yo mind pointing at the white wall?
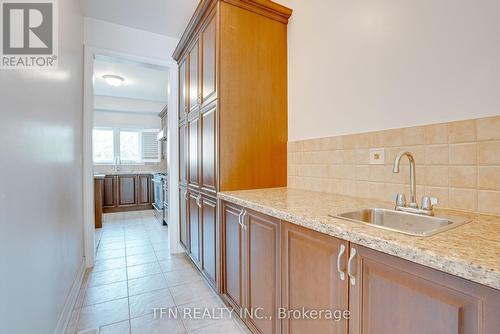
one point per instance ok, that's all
(356, 66)
(118, 38)
(126, 120)
(41, 245)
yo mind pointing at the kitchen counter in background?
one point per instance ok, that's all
(470, 251)
(124, 173)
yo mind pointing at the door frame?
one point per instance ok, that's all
(90, 53)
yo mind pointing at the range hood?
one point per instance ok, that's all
(162, 135)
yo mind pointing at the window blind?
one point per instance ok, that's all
(150, 146)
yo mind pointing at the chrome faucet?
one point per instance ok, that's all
(117, 162)
(413, 187)
(401, 205)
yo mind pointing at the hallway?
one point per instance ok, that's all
(134, 273)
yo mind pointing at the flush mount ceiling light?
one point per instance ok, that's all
(113, 80)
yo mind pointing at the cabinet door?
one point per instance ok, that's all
(194, 227)
(209, 239)
(391, 295)
(193, 151)
(310, 279)
(127, 190)
(183, 90)
(209, 61)
(194, 77)
(183, 218)
(262, 260)
(232, 252)
(144, 184)
(109, 192)
(183, 153)
(209, 149)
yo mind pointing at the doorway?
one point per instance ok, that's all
(123, 98)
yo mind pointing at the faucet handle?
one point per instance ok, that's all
(400, 200)
(428, 202)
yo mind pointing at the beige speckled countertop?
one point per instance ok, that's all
(470, 251)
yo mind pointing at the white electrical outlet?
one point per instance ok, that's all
(377, 156)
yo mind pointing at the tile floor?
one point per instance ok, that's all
(134, 272)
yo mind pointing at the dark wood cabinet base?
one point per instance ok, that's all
(126, 192)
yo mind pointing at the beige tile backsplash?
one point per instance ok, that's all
(458, 162)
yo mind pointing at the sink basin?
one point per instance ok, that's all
(403, 222)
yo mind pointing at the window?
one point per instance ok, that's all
(103, 145)
(130, 146)
(125, 146)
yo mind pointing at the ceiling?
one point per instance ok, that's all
(142, 81)
(165, 17)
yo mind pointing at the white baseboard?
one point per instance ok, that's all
(70, 300)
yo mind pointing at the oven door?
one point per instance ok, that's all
(158, 195)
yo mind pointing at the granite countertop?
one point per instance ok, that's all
(124, 173)
(470, 251)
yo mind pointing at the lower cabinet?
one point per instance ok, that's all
(194, 250)
(232, 255)
(312, 269)
(391, 295)
(127, 192)
(251, 266)
(183, 218)
(144, 190)
(261, 260)
(209, 239)
(199, 232)
(269, 265)
(109, 192)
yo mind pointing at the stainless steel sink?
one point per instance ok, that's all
(403, 222)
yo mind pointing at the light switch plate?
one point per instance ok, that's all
(377, 156)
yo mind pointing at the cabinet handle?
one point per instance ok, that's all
(186, 195)
(339, 257)
(349, 266)
(241, 216)
(198, 200)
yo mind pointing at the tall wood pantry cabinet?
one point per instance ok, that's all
(232, 114)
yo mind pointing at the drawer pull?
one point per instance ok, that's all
(352, 277)
(339, 257)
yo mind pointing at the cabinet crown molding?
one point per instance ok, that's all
(266, 8)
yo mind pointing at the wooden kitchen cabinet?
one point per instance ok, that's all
(392, 295)
(311, 279)
(194, 76)
(251, 275)
(183, 154)
(127, 192)
(98, 199)
(194, 199)
(109, 192)
(262, 261)
(232, 115)
(209, 61)
(209, 244)
(183, 217)
(193, 150)
(144, 189)
(183, 90)
(232, 255)
(209, 149)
